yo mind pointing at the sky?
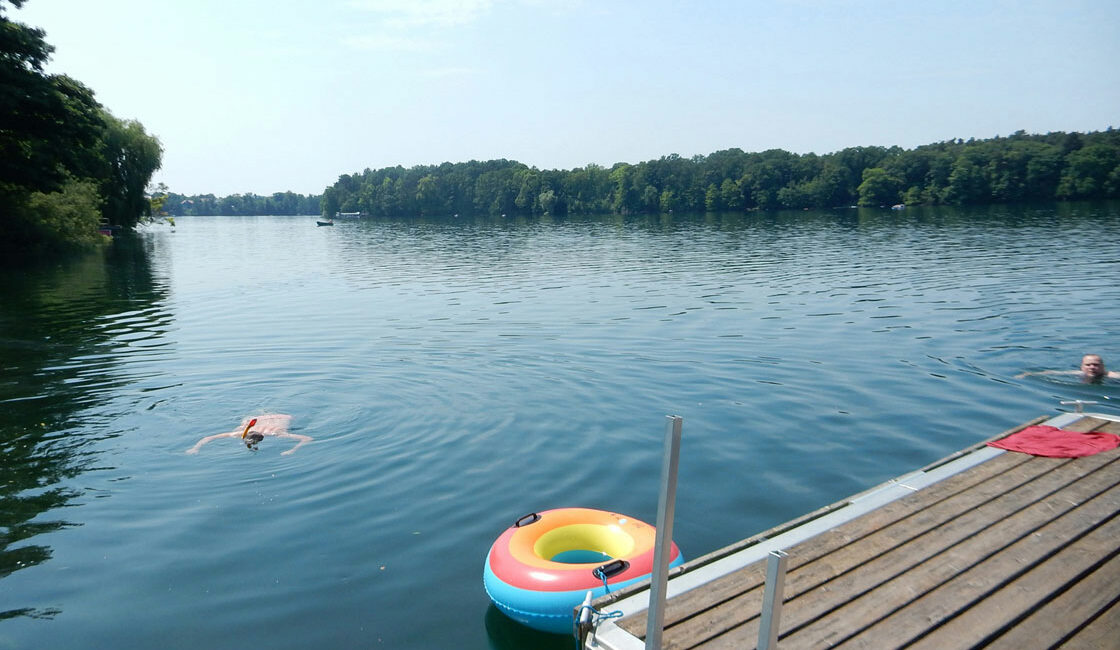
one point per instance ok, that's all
(264, 96)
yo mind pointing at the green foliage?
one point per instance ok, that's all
(879, 187)
(156, 201)
(328, 205)
(48, 123)
(58, 145)
(279, 203)
(46, 223)
(1020, 167)
(1089, 172)
(967, 182)
(71, 214)
(129, 158)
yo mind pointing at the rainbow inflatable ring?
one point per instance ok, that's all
(542, 566)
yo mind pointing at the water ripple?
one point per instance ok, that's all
(456, 374)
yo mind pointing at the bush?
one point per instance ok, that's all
(48, 223)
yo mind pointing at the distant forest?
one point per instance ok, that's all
(282, 203)
(1020, 167)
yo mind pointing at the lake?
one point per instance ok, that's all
(456, 374)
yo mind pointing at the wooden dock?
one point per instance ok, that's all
(986, 547)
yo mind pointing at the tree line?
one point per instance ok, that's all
(281, 203)
(1020, 167)
(67, 165)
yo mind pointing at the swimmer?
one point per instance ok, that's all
(254, 430)
(1092, 370)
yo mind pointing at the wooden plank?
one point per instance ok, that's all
(840, 608)
(1086, 424)
(820, 512)
(1109, 427)
(827, 582)
(938, 532)
(1000, 609)
(960, 602)
(726, 589)
(1101, 632)
(1060, 619)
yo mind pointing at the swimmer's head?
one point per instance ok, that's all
(1092, 366)
(252, 439)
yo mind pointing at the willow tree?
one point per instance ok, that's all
(130, 156)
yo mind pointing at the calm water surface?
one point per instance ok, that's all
(456, 374)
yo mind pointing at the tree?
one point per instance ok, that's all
(131, 157)
(48, 123)
(1020, 167)
(1043, 171)
(63, 158)
(967, 183)
(669, 201)
(1087, 172)
(624, 195)
(54, 222)
(432, 195)
(530, 189)
(879, 187)
(547, 201)
(796, 195)
(764, 175)
(156, 200)
(329, 203)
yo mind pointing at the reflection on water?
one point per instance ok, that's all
(458, 373)
(61, 330)
(504, 634)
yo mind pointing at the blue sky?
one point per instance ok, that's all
(266, 96)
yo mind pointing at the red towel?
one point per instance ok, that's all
(1043, 440)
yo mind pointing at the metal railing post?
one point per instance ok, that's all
(663, 547)
(772, 600)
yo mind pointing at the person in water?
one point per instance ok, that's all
(1092, 369)
(254, 430)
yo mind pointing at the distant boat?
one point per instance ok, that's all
(347, 215)
(328, 222)
(898, 206)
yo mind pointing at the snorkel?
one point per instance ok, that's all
(247, 427)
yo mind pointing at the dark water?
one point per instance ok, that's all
(457, 374)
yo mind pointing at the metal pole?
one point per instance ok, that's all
(663, 547)
(772, 600)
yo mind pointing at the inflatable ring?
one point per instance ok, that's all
(542, 566)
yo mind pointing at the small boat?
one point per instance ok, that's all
(328, 222)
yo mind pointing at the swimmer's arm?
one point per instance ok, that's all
(1048, 372)
(198, 445)
(295, 436)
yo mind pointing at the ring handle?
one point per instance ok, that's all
(610, 569)
(530, 518)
